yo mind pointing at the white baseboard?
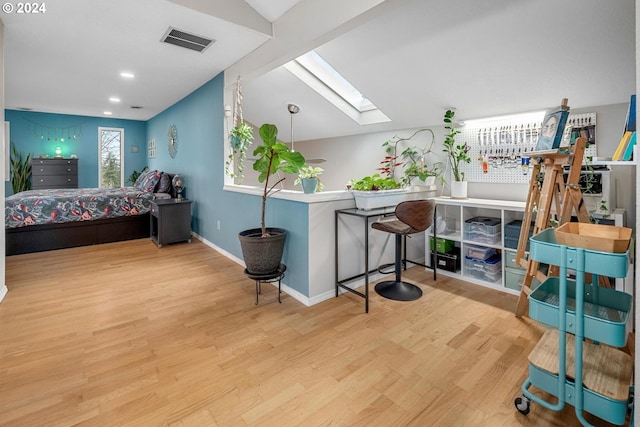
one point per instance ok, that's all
(3, 292)
(219, 249)
(286, 289)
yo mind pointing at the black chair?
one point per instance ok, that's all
(412, 216)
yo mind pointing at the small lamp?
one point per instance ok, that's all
(58, 151)
(178, 184)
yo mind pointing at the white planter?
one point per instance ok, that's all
(459, 189)
(368, 200)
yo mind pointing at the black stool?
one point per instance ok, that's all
(413, 216)
(267, 278)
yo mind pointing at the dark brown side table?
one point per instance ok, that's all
(170, 221)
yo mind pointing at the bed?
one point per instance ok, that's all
(41, 220)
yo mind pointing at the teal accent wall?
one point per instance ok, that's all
(35, 133)
(199, 118)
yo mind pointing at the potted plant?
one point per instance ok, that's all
(376, 191)
(240, 139)
(135, 174)
(412, 159)
(262, 247)
(308, 178)
(20, 171)
(456, 153)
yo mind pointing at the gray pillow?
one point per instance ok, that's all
(164, 186)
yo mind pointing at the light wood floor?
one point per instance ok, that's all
(126, 334)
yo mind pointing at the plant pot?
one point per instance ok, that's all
(459, 189)
(367, 200)
(429, 182)
(309, 185)
(262, 255)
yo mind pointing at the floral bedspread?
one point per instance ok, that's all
(53, 206)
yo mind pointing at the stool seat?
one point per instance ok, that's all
(268, 278)
(393, 227)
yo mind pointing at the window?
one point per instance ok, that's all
(319, 75)
(110, 161)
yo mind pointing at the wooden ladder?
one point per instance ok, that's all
(566, 196)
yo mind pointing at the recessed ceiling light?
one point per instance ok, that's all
(108, 113)
(127, 75)
(114, 99)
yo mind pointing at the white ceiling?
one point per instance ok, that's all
(412, 58)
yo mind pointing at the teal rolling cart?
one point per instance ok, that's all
(578, 359)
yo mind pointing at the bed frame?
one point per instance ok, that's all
(37, 238)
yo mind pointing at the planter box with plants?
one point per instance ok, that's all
(375, 191)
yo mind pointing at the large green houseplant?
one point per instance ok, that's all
(262, 247)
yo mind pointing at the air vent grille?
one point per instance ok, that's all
(187, 40)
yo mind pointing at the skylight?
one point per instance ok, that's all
(318, 74)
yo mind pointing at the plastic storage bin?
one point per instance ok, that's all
(513, 278)
(483, 230)
(512, 234)
(489, 270)
(478, 252)
(449, 261)
(443, 245)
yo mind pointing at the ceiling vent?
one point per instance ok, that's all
(186, 40)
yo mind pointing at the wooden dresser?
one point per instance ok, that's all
(54, 173)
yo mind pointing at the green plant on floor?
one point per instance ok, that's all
(20, 171)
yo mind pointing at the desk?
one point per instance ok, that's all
(364, 215)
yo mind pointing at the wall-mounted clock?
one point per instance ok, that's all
(173, 140)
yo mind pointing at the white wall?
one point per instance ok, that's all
(3, 286)
(355, 156)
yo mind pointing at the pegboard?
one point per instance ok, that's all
(497, 147)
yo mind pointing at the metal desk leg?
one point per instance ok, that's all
(335, 239)
(434, 254)
(366, 265)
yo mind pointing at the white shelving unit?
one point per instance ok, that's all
(454, 212)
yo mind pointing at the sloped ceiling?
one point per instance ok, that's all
(412, 58)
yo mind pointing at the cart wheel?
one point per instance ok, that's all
(522, 405)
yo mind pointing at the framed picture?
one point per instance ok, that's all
(552, 130)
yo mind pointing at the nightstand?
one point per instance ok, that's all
(170, 221)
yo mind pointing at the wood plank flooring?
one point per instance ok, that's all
(126, 334)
